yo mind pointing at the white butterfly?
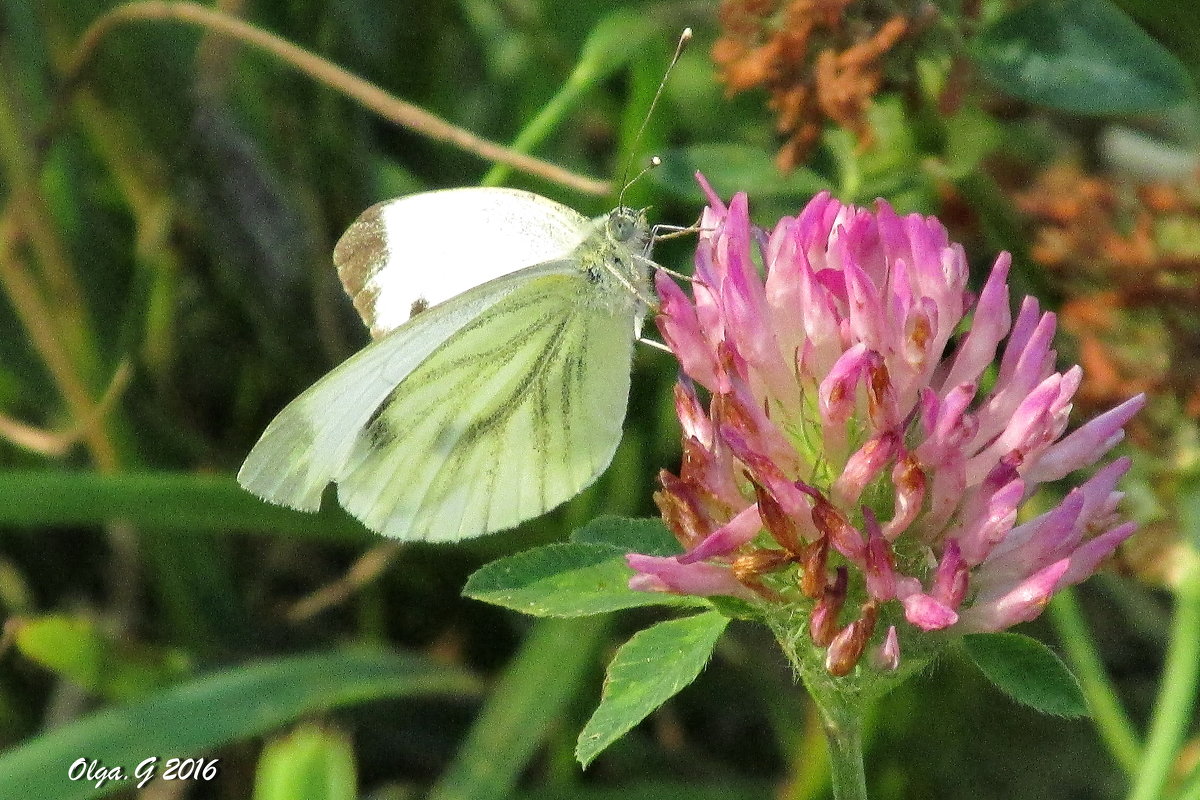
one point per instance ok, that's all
(498, 383)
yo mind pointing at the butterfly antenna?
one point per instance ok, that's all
(654, 162)
(684, 38)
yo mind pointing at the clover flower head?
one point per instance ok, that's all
(864, 456)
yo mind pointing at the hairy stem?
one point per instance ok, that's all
(842, 719)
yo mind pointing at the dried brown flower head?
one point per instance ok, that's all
(817, 60)
(1126, 260)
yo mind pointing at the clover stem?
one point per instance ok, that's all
(842, 719)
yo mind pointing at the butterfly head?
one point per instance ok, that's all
(628, 227)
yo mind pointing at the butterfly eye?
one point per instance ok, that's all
(620, 226)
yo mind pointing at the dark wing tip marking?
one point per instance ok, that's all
(356, 255)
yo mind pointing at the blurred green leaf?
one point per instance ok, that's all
(537, 686)
(648, 536)
(215, 709)
(567, 579)
(587, 575)
(732, 168)
(169, 500)
(611, 43)
(1028, 672)
(971, 135)
(1176, 25)
(1080, 56)
(615, 39)
(891, 167)
(311, 763)
(647, 671)
(77, 648)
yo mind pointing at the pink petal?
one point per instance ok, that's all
(864, 467)
(1086, 445)
(692, 419)
(1045, 540)
(989, 519)
(947, 424)
(989, 325)
(666, 574)
(838, 395)
(880, 563)
(1023, 603)
(714, 199)
(887, 656)
(680, 327)
(1033, 363)
(950, 580)
(1088, 556)
(927, 613)
(909, 481)
(724, 540)
(867, 319)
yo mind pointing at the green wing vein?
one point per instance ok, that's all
(512, 415)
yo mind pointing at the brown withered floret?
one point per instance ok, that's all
(817, 60)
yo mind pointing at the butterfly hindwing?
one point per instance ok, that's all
(538, 383)
(308, 444)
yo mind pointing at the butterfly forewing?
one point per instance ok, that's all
(414, 252)
(539, 383)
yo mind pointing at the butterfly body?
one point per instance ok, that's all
(497, 384)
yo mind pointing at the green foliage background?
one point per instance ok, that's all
(179, 222)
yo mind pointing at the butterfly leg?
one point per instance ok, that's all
(676, 231)
(633, 290)
(674, 274)
(654, 344)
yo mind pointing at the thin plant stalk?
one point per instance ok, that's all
(319, 69)
(38, 317)
(842, 719)
(1174, 708)
(611, 44)
(1108, 715)
(52, 311)
(30, 215)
